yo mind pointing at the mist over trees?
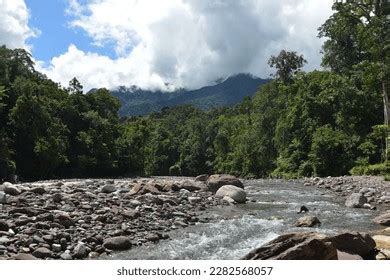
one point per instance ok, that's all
(330, 122)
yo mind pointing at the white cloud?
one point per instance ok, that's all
(14, 29)
(187, 43)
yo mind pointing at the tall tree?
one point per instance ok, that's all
(287, 64)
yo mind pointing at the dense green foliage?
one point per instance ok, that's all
(321, 123)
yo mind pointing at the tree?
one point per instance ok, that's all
(287, 64)
(359, 39)
(75, 87)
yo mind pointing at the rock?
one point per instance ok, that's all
(42, 253)
(346, 256)
(4, 225)
(64, 219)
(153, 237)
(66, 256)
(143, 189)
(202, 178)
(235, 193)
(190, 186)
(131, 214)
(355, 200)
(295, 246)
(3, 198)
(24, 257)
(57, 197)
(194, 199)
(56, 248)
(382, 241)
(117, 243)
(354, 243)
(108, 189)
(38, 190)
(80, 251)
(229, 200)
(307, 221)
(383, 254)
(214, 182)
(383, 219)
(11, 190)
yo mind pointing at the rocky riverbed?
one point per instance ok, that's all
(79, 219)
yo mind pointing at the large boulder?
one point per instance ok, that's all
(233, 192)
(383, 219)
(295, 246)
(117, 243)
(355, 200)
(214, 182)
(110, 188)
(307, 221)
(11, 189)
(354, 243)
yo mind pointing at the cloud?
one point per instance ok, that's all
(14, 28)
(187, 43)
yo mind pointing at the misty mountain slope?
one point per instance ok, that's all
(136, 101)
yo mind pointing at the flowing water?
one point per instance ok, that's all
(238, 229)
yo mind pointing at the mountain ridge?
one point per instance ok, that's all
(230, 91)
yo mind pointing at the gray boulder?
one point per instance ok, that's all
(233, 192)
(108, 189)
(214, 182)
(201, 178)
(356, 200)
(354, 243)
(11, 190)
(42, 253)
(117, 243)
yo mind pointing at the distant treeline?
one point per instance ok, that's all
(329, 122)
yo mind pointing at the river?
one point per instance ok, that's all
(235, 230)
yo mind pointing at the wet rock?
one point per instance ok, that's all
(354, 243)
(307, 221)
(108, 189)
(214, 182)
(235, 193)
(202, 178)
(117, 243)
(383, 219)
(355, 200)
(42, 253)
(11, 190)
(4, 225)
(295, 246)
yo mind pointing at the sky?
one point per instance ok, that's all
(160, 44)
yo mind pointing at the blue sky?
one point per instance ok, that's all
(56, 34)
